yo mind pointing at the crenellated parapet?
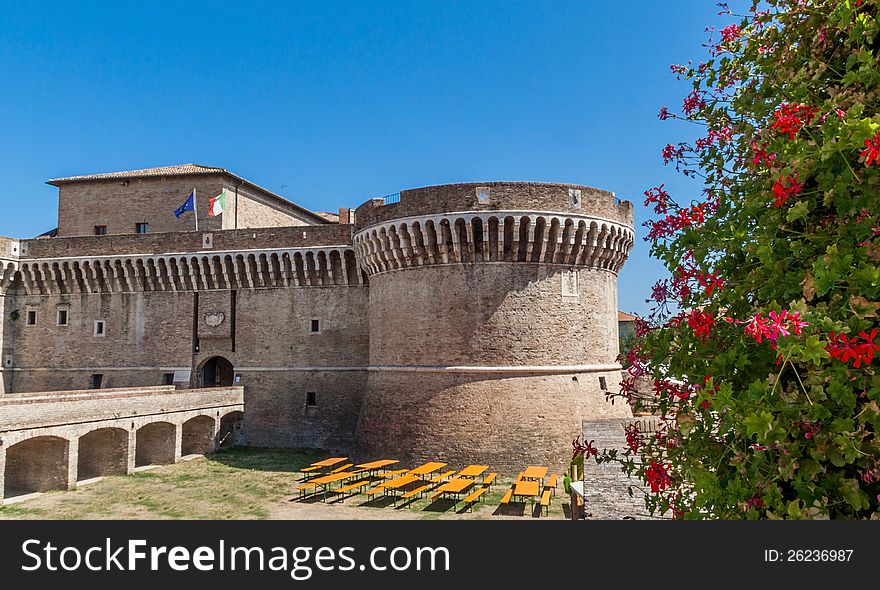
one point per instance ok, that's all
(494, 236)
(252, 269)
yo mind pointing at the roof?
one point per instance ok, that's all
(331, 217)
(622, 316)
(180, 170)
(177, 170)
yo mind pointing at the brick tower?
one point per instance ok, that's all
(492, 320)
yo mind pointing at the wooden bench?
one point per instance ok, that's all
(304, 488)
(474, 497)
(545, 502)
(507, 497)
(490, 479)
(390, 474)
(415, 492)
(552, 481)
(355, 486)
(343, 468)
(443, 476)
(304, 472)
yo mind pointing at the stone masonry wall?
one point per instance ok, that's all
(525, 196)
(120, 204)
(189, 241)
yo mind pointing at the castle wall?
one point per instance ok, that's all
(493, 321)
(253, 210)
(146, 336)
(487, 332)
(120, 204)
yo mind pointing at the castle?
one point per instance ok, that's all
(464, 322)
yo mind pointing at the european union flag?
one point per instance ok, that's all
(189, 205)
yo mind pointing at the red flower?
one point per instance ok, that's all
(845, 349)
(633, 437)
(658, 196)
(781, 192)
(664, 114)
(657, 477)
(871, 153)
(693, 102)
(730, 33)
(701, 323)
(790, 118)
(711, 281)
(671, 152)
(760, 156)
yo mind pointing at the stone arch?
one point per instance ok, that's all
(351, 267)
(155, 444)
(230, 433)
(478, 230)
(37, 464)
(197, 436)
(216, 371)
(102, 452)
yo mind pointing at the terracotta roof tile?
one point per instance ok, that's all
(622, 316)
(176, 170)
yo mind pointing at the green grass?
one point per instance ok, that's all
(241, 483)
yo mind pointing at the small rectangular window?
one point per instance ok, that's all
(311, 399)
(100, 328)
(100, 230)
(62, 317)
(95, 381)
(603, 384)
(31, 317)
(315, 326)
(168, 379)
(142, 228)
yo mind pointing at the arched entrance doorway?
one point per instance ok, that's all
(217, 372)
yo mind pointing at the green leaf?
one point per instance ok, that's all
(854, 495)
(799, 211)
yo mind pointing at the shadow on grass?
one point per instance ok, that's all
(441, 505)
(262, 459)
(511, 509)
(380, 502)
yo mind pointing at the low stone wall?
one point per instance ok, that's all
(607, 487)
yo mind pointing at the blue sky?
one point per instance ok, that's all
(339, 102)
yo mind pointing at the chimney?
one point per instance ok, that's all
(344, 215)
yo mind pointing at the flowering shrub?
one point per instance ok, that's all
(762, 345)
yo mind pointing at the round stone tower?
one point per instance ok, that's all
(493, 320)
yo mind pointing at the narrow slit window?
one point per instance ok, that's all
(311, 399)
(315, 326)
(100, 328)
(31, 317)
(142, 228)
(62, 317)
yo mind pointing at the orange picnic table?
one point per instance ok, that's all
(533, 472)
(373, 465)
(325, 482)
(427, 468)
(453, 486)
(399, 482)
(526, 488)
(330, 462)
(473, 471)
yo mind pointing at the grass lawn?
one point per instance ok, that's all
(244, 483)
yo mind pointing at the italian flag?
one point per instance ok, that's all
(218, 204)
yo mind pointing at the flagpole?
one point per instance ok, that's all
(196, 209)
